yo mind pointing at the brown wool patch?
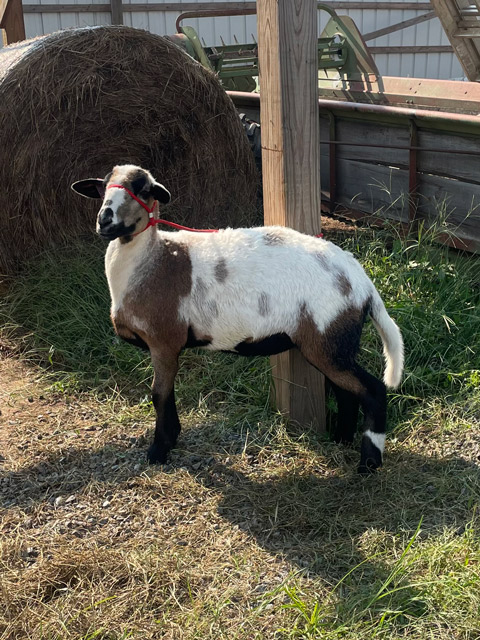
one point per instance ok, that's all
(344, 284)
(320, 257)
(211, 308)
(264, 304)
(199, 291)
(207, 308)
(221, 271)
(165, 279)
(201, 337)
(136, 174)
(273, 239)
(333, 352)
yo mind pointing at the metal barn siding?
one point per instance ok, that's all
(213, 30)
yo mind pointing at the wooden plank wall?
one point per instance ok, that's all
(375, 180)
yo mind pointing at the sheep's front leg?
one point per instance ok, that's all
(167, 425)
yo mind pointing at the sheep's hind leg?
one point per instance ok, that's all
(375, 409)
(167, 425)
(372, 395)
(347, 415)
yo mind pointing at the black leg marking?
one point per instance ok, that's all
(374, 407)
(167, 428)
(333, 352)
(193, 341)
(136, 342)
(347, 416)
(371, 394)
(167, 424)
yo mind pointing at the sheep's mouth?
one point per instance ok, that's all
(117, 231)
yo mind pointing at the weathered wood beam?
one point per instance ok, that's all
(471, 32)
(287, 46)
(11, 21)
(391, 6)
(412, 49)
(67, 8)
(116, 9)
(399, 26)
(3, 7)
(466, 50)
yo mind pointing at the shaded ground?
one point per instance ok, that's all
(212, 544)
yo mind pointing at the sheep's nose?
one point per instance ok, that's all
(105, 217)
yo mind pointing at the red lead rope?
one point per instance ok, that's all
(153, 221)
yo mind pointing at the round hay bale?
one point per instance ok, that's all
(75, 103)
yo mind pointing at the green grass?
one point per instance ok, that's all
(60, 307)
(277, 538)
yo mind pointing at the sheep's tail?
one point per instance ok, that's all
(392, 342)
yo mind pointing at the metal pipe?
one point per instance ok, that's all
(333, 162)
(223, 10)
(212, 14)
(421, 115)
(346, 143)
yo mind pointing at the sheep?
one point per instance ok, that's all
(250, 291)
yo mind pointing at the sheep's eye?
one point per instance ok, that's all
(144, 195)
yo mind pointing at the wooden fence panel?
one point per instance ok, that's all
(462, 167)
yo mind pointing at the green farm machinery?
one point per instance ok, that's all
(391, 147)
(341, 49)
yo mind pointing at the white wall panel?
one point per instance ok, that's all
(213, 30)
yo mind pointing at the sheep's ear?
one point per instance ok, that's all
(90, 188)
(159, 192)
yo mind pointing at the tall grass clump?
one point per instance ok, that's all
(57, 313)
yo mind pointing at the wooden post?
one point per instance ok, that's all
(116, 9)
(11, 21)
(287, 38)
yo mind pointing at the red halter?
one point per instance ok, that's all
(153, 221)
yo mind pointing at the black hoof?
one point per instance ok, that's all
(157, 455)
(367, 469)
(370, 457)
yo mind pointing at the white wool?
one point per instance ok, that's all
(121, 264)
(378, 439)
(287, 276)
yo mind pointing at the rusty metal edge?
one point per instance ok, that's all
(422, 117)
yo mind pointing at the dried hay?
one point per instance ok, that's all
(75, 103)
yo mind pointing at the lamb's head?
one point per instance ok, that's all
(129, 194)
